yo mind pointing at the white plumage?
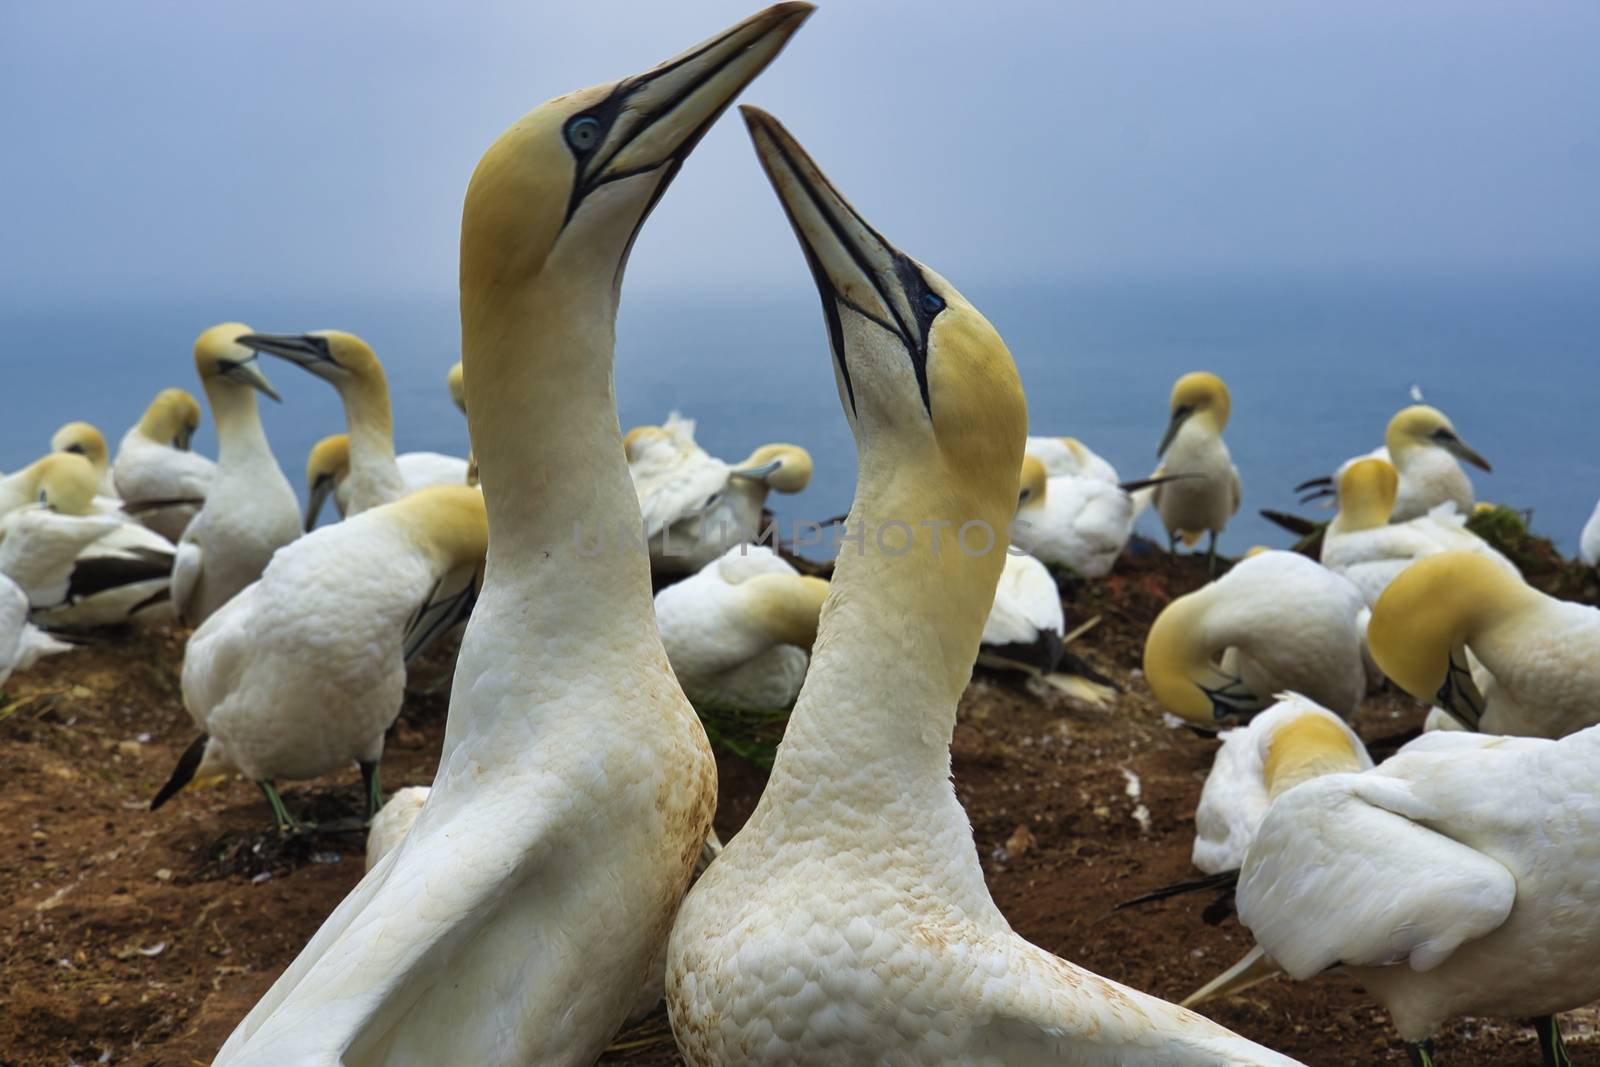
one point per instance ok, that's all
(84, 571)
(1072, 520)
(393, 821)
(1589, 539)
(1070, 456)
(21, 643)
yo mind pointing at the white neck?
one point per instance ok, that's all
(374, 477)
(241, 441)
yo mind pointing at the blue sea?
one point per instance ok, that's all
(1316, 367)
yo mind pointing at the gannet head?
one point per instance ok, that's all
(558, 199)
(1421, 426)
(1309, 744)
(67, 482)
(786, 468)
(172, 418)
(639, 440)
(326, 467)
(450, 520)
(1180, 666)
(1367, 491)
(1034, 482)
(220, 358)
(1197, 395)
(83, 439)
(786, 607)
(1430, 612)
(453, 382)
(333, 355)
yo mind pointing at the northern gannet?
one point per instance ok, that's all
(1361, 544)
(849, 922)
(1276, 622)
(22, 644)
(695, 506)
(529, 905)
(86, 440)
(1459, 877)
(304, 671)
(738, 631)
(1068, 455)
(154, 465)
(328, 470)
(250, 510)
(1208, 494)
(1026, 629)
(1424, 446)
(1457, 630)
(348, 363)
(1071, 520)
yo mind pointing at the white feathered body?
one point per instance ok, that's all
(1589, 540)
(393, 821)
(1541, 679)
(694, 508)
(1372, 558)
(55, 557)
(1082, 523)
(1069, 456)
(1027, 604)
(418, 470)
(251, 512)
(21, 643)
(1210, 496)
(1461, 876)
(147, 470)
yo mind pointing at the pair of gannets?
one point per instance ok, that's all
(1362, 545)
(328, 474)
(849, 922)
(738, 632)
(695, 506)
(159, 479)
(1424, 447)
(529, 904)
(1277, 621)
(304, 670)
(250, 509)
(1501, 657)
(1207, 492)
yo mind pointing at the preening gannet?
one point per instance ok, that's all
(348, 363)
(87, 441)
(1461, 876)
(695, 506)
(738, 631)
(1457, 630)
(848, 922)
(1423, 445)
(21, 643)
(1276, 622)
(518, 921)
(1362, 545)
(1072, 520)
(80, 568)
(1209, 493)
(250, 510)
(328, 470)
(154, 465)
(1068, 455)
(304, 670)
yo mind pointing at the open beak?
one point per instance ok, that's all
(656, 118)
(1458, 448)
(248, 372)
(853, 265)
(315, 499)
(304, 350)
(1179, 417)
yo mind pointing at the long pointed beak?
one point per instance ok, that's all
(248, 372)
(305, 350)
(757, 472)
(1459, 449)
(1179, 417)
(656, 118)
(852, 264)
(315, 499)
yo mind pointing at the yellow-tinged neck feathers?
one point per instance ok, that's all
(171, 419)
(785, 607)
(1179, 664)
(66, 482)
(458, 393)
(85, 440)
(1437, 606)
(449, 519)
(1308, 746)
(1367, 491)
(1033, 483)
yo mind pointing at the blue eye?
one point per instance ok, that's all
(583, 133)
(932, 303)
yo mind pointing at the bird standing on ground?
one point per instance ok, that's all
(849, 922)
(250, 510)
(528, 906)
(1209, 494)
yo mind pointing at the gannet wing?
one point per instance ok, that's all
(186, 568)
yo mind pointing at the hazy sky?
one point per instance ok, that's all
(325, 147)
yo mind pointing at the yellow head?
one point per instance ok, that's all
(453, 382)
(785, 607)
(86, 441)
(1198, 395)
(223, 362)
(326, 467)
(1183, 674)
(172, 418)
(786, 468)
(928, 386)
(450, 520)
(1367, 491)
(1308, 746)
(334, 355)
(1435, 609)
(67, 483)
(1421, 426)
(1033, 483)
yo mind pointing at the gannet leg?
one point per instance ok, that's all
(1421, 1053)
(281, 813)
(1211, 556)
(369, 775)
(1551, 1047)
